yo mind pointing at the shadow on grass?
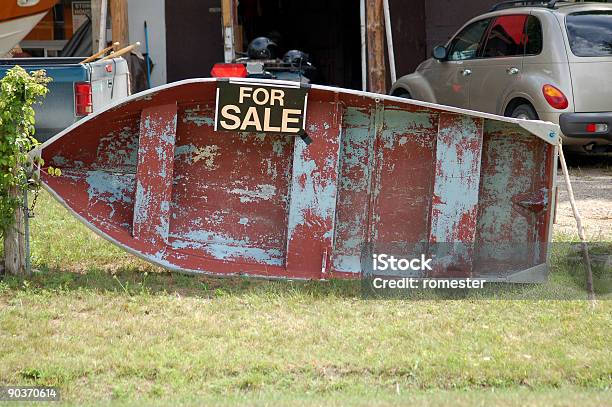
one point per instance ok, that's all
(136, 281)
(566, 281)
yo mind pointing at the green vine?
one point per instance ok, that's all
(19, 91)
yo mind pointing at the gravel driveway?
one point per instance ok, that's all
(591, 179)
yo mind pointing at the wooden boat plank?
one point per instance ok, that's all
(154, 175)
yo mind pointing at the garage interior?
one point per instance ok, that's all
(327, 30)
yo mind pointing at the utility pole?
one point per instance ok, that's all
(376, 46)
(119, 18)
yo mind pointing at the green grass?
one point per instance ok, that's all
(94, 324)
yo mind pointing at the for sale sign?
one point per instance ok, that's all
(261, 108)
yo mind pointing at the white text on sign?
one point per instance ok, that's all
(244, 116)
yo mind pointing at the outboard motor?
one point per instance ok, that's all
(261, 62)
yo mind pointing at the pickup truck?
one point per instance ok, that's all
(76, 90)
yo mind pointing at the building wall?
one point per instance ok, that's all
(153, 12)
(418, 25)
(409, 45)
(445, 17)
(193, 37)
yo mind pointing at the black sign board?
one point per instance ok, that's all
(261, 108)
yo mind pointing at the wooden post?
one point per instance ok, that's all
(119, 18)
(95, 25)
(228, 30)
(376, 47)
(581, 235)
(14, 240)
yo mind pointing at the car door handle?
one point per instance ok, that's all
(466, 72)
(512, 71)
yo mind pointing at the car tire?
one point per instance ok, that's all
(524, 111)
(402, 94)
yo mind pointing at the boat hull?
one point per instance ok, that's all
(15, 30)
(17, 18)
(382, 175)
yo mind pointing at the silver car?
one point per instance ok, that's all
(547, 61)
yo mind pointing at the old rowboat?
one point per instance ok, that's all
(152, 175)
(17, 18)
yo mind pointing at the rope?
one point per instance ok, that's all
(585, 249)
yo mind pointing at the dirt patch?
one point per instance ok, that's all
(593, 194)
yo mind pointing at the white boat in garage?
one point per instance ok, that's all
(17, 18)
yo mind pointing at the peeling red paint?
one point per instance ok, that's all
(382, 174)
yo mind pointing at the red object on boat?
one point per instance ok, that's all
(228, 71)
(381, 175)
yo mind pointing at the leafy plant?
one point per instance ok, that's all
(19, 91)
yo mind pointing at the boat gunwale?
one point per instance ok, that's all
(547, 131)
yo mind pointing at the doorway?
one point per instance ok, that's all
(327, 30)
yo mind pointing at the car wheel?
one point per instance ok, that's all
(402, 94)
(524, 112)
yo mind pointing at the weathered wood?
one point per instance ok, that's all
(95, 25)
(376, 44)
(578, 218)
(269, 205)
(119, 17)
(14, 240)
(228, 30)
(154, 174)
(311, 217)
(454, 208)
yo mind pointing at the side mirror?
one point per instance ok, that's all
(440, 53)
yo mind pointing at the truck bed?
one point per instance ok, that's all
(109, 82)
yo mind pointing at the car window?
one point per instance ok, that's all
(533, 36)
(465, 44)
(590, 33)
(505, 38)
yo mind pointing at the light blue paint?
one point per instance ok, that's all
(184, 150)
(453, 187)
(347, 263)
(143, 202)
(119, 149)
(205, 236)
(495, 221)
(356, 153)
(168, 135)
(317, 196)
(199, 117)
(109, 187)
(222, 247)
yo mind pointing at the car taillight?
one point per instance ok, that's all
(554, 97)
(82, 99)
(596, 128)
(229, 71)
